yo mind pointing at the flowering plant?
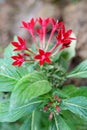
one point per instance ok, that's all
(33, 78)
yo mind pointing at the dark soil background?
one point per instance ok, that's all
(72, 12)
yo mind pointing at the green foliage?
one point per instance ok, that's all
(7, 83)
(7, 115)
(9, 126)
(30, 87)
(60, 124)
(77, 105)
(72, 91)
(80, 71)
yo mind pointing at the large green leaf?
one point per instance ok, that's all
(6, 64)
(13, 71)
(26, 124)
(10, 74)
(29, 87)
(74, 121)
(7, 83)
(60, 124)
(32, 122)
(80, 71)
(60, 93)
(8, 53)
(9, 126)
(77, 105)
(72, 91)
(10, 116)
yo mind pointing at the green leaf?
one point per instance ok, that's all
(77, 105)
(29, 87)
(32, 122)
(60, 123)
(8, 53)
(9, 76)
(26, 124)
(80, 71)
(8, 73)
(72, 91)
(10, 116)
(74, 121)
(7, 83)
(9, 126)
(60, 93)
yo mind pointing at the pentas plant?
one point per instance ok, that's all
(44, 52)
(33, 79)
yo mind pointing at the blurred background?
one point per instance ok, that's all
(72, 12)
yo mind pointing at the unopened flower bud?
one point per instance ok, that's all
(51, 116)
(57, 108)
(45, 108)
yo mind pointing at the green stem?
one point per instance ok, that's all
(32, 122)
(56, 122)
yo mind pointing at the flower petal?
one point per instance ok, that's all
(48, 60)
(37, 57)
(41, 52)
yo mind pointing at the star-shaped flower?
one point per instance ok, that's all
(29, 25)
(43, 22)
(43, 57)
(63, 37)
(19, 59)
(20, 45)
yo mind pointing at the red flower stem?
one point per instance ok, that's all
(57, 51)
(30, 51)
(54, 47)
(41, 44)
(51, 35)
(44, 37)
(35, 41)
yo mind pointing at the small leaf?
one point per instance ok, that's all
(77, 105)
(29, 87)
(80, 71)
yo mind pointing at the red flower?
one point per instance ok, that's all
(44, 51)
(45, 108)
(57, 108)
(19, 59)
(64, 37)
(43, 22)
(43, 57)
(51, 116)
(20, 45)
(29, 25)
(40, 33)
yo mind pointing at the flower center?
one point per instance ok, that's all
(43, 57)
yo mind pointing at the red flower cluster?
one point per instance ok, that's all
(44, 51)
(53, 106)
